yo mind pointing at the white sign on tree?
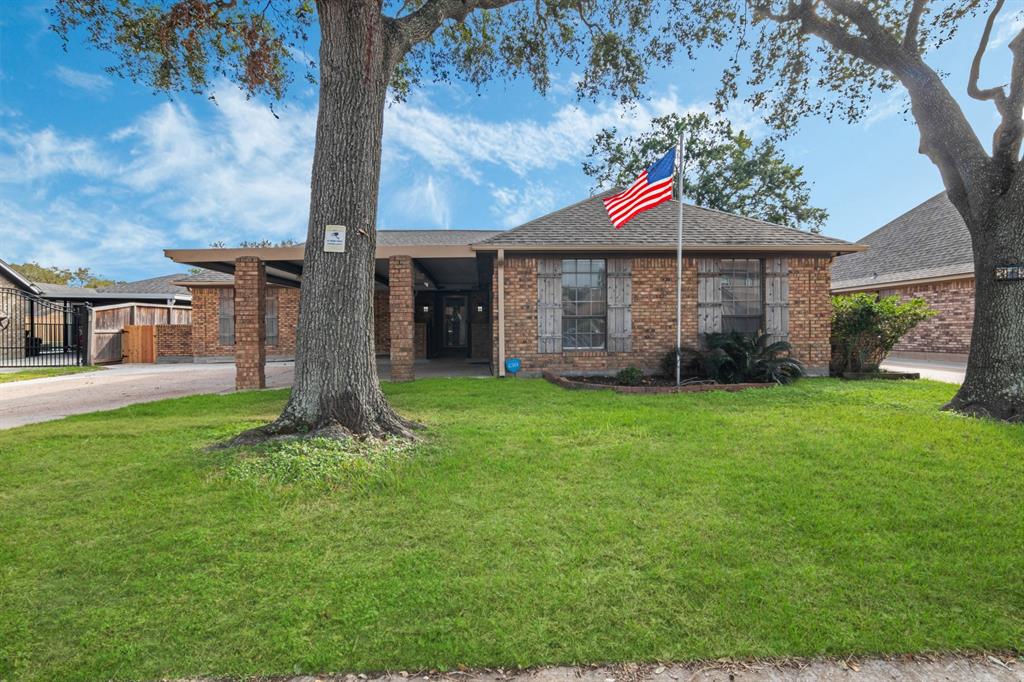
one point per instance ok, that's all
(334, 239)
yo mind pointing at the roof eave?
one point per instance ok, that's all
(838, 248)
(846, 288)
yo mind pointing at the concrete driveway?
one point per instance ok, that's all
(950, 372)
(39, 400)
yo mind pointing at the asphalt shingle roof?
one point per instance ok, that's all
(432, 237)
(930, 240)
(153, 285)
(204, 277)
(585, 223)
(62, 289)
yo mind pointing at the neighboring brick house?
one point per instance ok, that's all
(565, 291)
(926, 253)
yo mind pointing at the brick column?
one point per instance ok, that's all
(400, 305)
(250, 307)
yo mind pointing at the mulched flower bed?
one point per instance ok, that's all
(649, 384)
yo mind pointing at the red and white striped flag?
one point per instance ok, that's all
(653, 187)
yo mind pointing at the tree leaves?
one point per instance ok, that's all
(723, 169)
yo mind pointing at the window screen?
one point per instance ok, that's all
(584, 304)
(226, 317)
(742, 295)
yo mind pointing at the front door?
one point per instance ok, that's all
(454, 322)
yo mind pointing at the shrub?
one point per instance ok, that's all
(865, 328)
(630, 376)
(690, 364)
(737, 358)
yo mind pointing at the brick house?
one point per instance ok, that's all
(925, 253)
(566, 291)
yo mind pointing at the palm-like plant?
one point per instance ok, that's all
(735, 357)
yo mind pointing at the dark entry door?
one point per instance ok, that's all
(453, 322)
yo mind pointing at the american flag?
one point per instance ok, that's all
(653, 187)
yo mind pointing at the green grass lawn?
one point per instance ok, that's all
(43, 372)
(537, 525)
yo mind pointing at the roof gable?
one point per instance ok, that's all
(930, 240)
(585, 224)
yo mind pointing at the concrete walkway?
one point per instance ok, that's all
(946, 668)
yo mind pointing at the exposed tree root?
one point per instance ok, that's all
(1004, 411)
(386, 424)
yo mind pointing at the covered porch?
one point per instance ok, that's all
(432, 307)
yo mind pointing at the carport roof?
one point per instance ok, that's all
(284, 263)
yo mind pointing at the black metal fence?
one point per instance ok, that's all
(35, 332)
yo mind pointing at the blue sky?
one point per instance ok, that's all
(104, 173)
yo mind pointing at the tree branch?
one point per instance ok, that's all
(1006, 142)
(995, 94)
(914, 24)
(421, 24)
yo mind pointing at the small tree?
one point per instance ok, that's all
(865, 328)
(723, 169)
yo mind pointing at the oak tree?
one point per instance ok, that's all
(367, 48)
(798, 58)
(722, 168)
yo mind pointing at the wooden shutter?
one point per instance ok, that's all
(709, 296)
(776, 298)
(620, 305)
(270, 318)
(226, 317)
(549, 305)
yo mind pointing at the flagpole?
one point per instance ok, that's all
(679, 264)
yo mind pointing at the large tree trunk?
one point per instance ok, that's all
(994, 384)
(336, 385)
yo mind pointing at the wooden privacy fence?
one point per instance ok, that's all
(106, 346)
(110, 317)
(139, 343)
(111, 339)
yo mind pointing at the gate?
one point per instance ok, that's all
(35, 332)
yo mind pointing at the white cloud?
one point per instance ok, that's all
(465, 143)
(426, 198)
(1006, 27)
(27, 156)
(514, 206)
(90, 82)
(882, 108)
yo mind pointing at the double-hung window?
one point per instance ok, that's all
(584, 304)
(742, 295)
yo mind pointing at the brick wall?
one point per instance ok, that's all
(400, 317)
(654, 314)
(173, 340)
(250, 324)
(810, 311)
(948, 332)
(381, 322)
(205, 330)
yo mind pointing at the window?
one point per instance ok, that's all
(270, 318)
(584, 304)
(742, 295)
(226, 317)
